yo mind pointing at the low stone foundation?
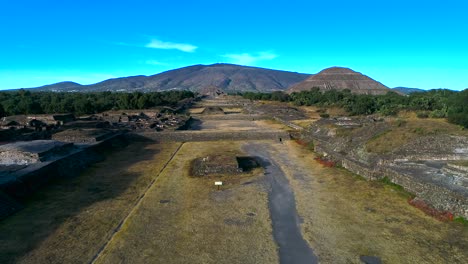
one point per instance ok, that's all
(441, 195)
(27, 152)
(19, 182)
(215, 164)
(83, 135)
(231, 117)
(188, 136)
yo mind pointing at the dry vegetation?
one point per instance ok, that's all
(233, 109)
(68, 221)
(404, 130)
(230, 125)
(463, 163)
(186, 220)
(346, 216)
(196, 110)
(272, 124)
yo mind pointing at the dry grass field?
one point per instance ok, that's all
(68, 221)
(404, 130)
(186, 220)
(345, 217)
(233, 109)
(230, 125)
(196, 110)
(463, 163)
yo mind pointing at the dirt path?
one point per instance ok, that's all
(286, 225)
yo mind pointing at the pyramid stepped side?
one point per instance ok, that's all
(339, 79)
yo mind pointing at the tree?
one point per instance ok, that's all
(458, 109)
(2, 111)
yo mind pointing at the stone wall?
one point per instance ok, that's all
(215, 165)
(287, 123)
(231, 117)
(187, 136)
(361, 169)
(26, 152)
(442, 196)
(21, 183)
(82, 135)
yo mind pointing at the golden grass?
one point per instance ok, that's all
(271, 124)
(305, 123)
(199, 224)
(346, 216)
(196, 110)
(233, 109)
(404, 130)
(68, 221)
(463, 163)
(228, 125)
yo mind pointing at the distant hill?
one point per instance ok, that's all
(406, 90)
(60, 86)
(225, 77)
(339, 78)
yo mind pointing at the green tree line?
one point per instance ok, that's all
(439, 103)
(26, 102)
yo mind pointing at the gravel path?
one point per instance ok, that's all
(286, 225)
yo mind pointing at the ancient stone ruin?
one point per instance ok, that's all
(83, 135)
(21, 153)
(215, 164)
(213, 110)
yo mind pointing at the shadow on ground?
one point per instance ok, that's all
(70, 213)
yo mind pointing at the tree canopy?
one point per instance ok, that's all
(26, 102)
(439, 103)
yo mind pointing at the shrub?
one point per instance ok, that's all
(389, 110)
(422, 114)
(461, 220)
(438, 114)
(324, 115)
(400, 122)
(429, 210)
(325, 162)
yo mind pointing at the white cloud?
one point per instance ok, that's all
(158, 44)
(248, 59)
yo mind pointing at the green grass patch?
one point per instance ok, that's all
(461, 220)
(396, 187)
(310, 146)
(385, 180)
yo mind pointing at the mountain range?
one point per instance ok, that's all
(225, 78)
(407, 90)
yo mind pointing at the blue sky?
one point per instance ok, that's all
(408, 43)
